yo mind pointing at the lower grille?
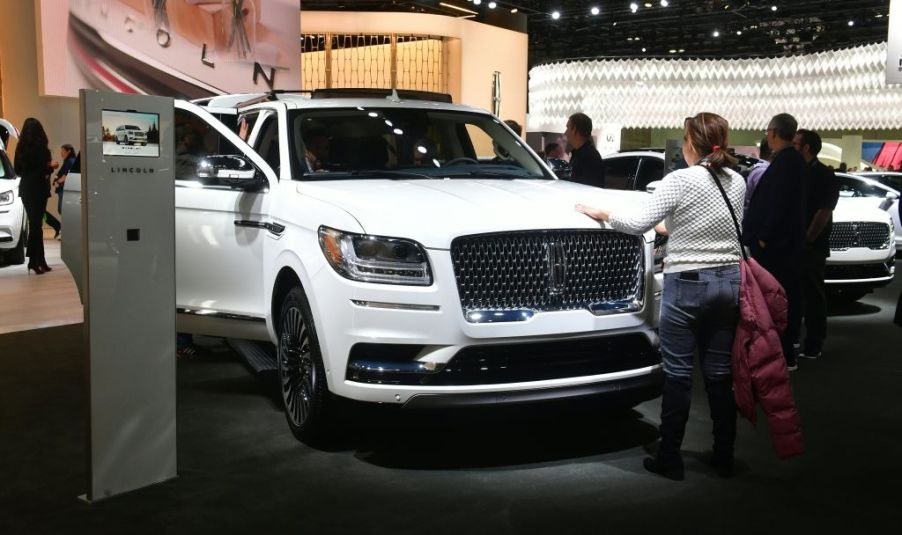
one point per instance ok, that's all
(859, 234)
(857, 271)
(516, 363)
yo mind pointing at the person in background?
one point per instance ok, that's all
(700, 307)
(554, 151)
(585, 161)
(774, 226)
(515, 126)
(67, 153)
(33, 164)
(751, 181)
(554, 155)
(842, 167)
(822, 192)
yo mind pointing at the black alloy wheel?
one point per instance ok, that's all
(302, 377)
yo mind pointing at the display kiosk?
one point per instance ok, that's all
(128, 270)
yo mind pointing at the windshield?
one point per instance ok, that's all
(856, 187)
(407, 143)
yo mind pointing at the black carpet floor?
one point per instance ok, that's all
(548, 469)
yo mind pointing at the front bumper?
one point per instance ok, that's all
(11, 218)
(431, 320)
(860, 267)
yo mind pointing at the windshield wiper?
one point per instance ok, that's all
(488, 174)
(367, 173)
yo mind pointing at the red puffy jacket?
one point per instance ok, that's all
(759, 367)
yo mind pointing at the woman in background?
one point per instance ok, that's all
(67, 153)
(33, 164)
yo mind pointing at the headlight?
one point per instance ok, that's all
(7, 197)
(374, 258)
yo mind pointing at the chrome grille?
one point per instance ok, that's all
(859, 234)
(547, 270)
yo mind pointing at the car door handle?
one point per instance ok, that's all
(273, 228)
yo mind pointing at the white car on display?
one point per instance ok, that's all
(862, 240)
(406, 251)
(13, 224)
(130, 134)
(882, 183)
(862, 249)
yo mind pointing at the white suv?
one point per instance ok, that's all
(404, 251)
(130, 134)
(13, 224)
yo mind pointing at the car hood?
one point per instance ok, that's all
(434, 212)
(860, 209)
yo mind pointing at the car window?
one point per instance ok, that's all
(195, 140)
(650, 169)
(619, 173)
(853, 187)
(893, 181)
(407, 143)
(267, 142)
(6, 168)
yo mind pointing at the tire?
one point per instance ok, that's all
(302, 376)
(17, 255)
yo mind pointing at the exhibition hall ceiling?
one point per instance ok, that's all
(563, 29)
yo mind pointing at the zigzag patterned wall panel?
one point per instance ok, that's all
(840, 89)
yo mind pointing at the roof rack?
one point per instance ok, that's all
(270, 96)
(365, 92)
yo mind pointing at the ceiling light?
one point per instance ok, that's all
(634, 7)
(492, 5)
(672, 51)
(716, 33)
(477, 2)
(647, 4)
(458, 8)
(738, 32)
(681, 50)
(851, 23)
(878, 16)
(773, 8)
(664, 3)
(595, 10)
(643, 49)
(555, 15)
(514, 10)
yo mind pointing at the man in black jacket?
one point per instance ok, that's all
(585, 162)
(822, 196)
(774, 225)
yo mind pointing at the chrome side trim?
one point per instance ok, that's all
(209, 313)
(499, 316)
(396, 306)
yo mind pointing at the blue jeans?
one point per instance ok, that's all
(699, 316)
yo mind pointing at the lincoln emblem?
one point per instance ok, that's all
(557, 268)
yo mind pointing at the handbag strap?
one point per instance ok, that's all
(729, 207)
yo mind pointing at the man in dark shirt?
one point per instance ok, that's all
(585, 162)
(822, 195)
(774, 225)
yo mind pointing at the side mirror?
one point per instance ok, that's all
(652, 186)
(888, 200)
(230, 170)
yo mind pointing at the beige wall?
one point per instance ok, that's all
(475, 51)
(18, 61)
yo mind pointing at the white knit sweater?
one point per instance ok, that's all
(701, 230)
